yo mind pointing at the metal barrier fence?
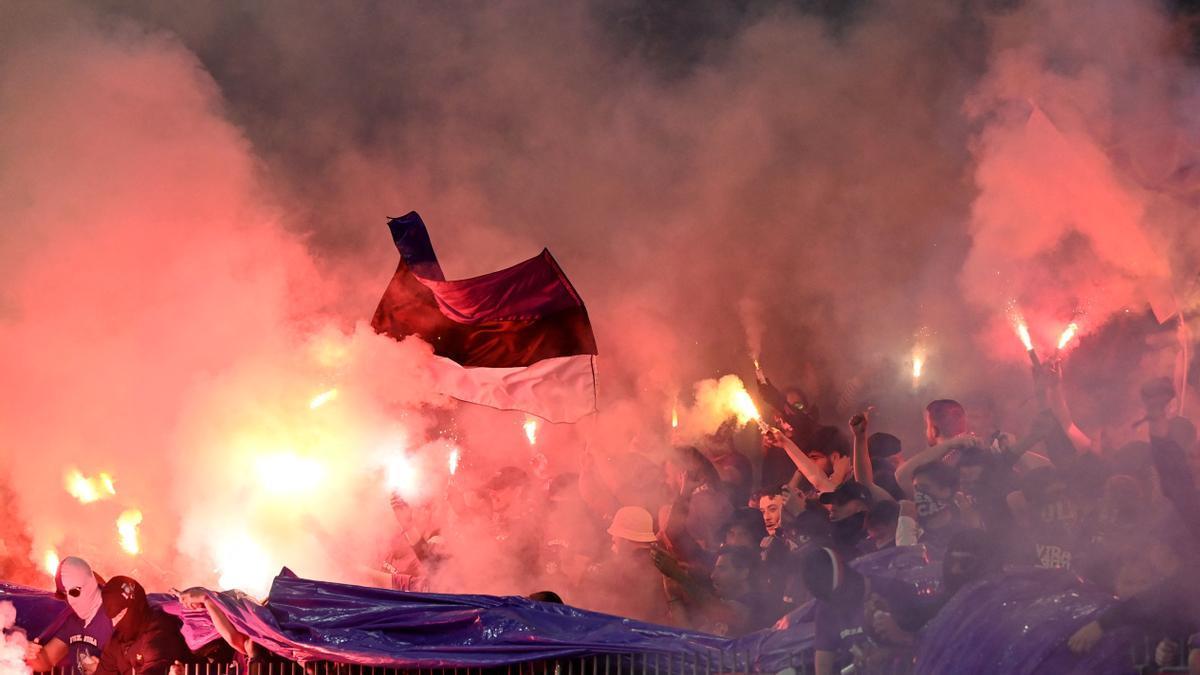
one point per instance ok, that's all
(711, 663)
(714, 663)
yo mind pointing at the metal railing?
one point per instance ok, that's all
(700, 663)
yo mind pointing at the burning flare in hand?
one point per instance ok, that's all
(127, 530)
(452, 461)
(50, 562)
(1023, 333)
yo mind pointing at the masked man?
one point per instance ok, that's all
(82, 631)
(146, 640)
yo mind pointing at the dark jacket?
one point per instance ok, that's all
(154, 647)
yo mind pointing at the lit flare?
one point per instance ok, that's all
(50, 562)
(531, 430)
(242, 563)
(322, 398)
(402, 476)
(1023, 333)
(453, 460)
(288, 473)
(127, 531)
(918, 367)
(88, 489)
(1068, 334)
(743, 408)
(674, 417)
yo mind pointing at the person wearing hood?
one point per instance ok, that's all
(81, 633)
(146, 640)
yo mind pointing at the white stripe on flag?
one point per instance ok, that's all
(560, 389)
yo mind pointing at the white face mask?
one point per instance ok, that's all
(79, 583)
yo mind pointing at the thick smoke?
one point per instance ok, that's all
(12, 643)
(195, 199)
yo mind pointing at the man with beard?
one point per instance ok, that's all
(823, 465)
(84, 630)
(736, 604)
(146, 640)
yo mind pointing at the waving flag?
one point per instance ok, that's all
(517, 339)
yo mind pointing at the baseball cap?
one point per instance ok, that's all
(847, 492)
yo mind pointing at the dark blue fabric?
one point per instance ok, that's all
(1015, 623)
(416, 250)
(38, 611)
(1018, 623)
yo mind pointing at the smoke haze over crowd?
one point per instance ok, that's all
(194, 199)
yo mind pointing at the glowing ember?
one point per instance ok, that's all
(1068, 334)
(743, 407)
(531, 429)
(453, 460)
(288, 473)
(127, 530)
(88, 490)
(322, 398)
(50, 562)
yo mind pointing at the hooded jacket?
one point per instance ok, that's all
(146, 641)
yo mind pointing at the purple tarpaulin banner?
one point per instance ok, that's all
(1018, 623)
(1015, 623)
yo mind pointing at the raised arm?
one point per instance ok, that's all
(1049, 380)
(197, 598)
(806, 466)
(904, 472)
(770, 394)
(863, 471)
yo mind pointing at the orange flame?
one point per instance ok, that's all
(453, 460)
(322, 398)
(127, 531)
(918, 366)
(743, 407)
(87, 489)
(531, 429)
(50, 562)
(1068, 334)
(674, 417)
